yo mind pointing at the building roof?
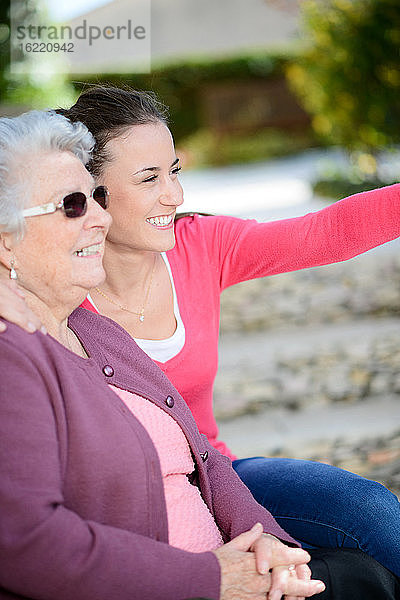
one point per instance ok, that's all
(186, 29)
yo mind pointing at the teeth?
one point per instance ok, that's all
(161, 221)
(89, 250)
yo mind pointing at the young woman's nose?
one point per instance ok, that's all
(172, 194)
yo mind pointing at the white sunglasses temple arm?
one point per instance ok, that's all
(41, 210)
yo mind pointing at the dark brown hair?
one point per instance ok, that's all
(108, 112)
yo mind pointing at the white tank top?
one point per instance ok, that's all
(163, 350)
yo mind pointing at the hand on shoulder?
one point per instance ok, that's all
(13, 308)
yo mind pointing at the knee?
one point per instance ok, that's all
(371, 500)
(377, 494)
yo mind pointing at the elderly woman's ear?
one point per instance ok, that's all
(7, 259)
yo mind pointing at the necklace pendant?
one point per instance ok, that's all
(141, 318)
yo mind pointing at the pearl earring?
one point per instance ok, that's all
(13, 272)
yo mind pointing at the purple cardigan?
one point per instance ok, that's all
(82, 508)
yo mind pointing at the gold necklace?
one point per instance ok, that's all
(133, 312)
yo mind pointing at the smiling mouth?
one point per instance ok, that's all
(162, 221)
(89, 250)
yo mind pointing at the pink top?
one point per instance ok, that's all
(212, 253)
(191, 526)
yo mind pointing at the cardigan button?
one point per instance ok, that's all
(108, 371)
(169, 401)
(204, 456)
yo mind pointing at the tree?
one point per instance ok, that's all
(4, 46)
(25, 88)
(348, 74)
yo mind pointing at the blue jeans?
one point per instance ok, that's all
(326, 507)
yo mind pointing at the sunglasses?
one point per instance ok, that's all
(74, 205)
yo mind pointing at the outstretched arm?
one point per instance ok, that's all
(246, 249)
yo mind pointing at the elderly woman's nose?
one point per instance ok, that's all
(97, 216)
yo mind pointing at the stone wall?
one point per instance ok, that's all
(326, 334)
(366, 286)
(318, 369)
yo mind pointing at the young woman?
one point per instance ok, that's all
(164, 279)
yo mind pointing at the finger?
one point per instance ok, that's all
(271, 552)
(12, 285)
(14, 309)
(27, 320)
(279, 579)
(303, 572)
(19, 292)
(282, 555)
(294, 597)
(263, 553)
(245, 540)
(298, 587)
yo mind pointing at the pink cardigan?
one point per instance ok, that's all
(212, 253)
(82, 505)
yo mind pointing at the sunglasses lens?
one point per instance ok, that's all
(100, 194)
(75, 205)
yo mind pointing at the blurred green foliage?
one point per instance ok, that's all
(205, 148)
(26, 87)
(342, 186)
(4, 47)
(348, 73)
(179, 85)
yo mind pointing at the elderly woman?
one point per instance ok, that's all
(107, 489)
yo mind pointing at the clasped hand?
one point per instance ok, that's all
(258, 566)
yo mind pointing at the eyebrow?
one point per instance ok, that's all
(155, 168)
(60, 195)
(62, 192)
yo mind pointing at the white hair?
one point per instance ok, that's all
(22, 137)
